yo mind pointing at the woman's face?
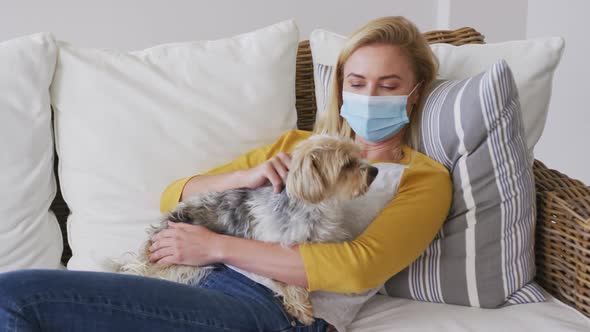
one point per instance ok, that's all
(380, 70)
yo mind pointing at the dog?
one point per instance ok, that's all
(325, 173)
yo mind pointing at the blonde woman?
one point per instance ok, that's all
(380, 79)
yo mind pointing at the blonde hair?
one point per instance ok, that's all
(393, 30)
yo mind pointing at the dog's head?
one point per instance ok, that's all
(325, 167)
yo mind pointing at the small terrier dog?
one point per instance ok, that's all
(325, 173)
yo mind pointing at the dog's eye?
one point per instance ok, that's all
(348, 165)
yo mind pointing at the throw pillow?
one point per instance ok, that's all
(129, 123)
(29, 233)
(484, 254)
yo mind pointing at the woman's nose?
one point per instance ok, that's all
(372, 89)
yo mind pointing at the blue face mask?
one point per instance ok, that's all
(375, 118)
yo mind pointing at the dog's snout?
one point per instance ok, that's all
(372, 174)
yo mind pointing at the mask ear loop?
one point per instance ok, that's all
(411, 92)
(414, 89)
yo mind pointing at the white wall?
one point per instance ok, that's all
(565, 140)
(498, 20)
(565, 144)
(136, 24)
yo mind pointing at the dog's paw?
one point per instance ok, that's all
(303, 312)
(121, 263)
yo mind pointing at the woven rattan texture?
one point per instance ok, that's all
(562, 245)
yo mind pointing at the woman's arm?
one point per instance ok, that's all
(399, 234)
(402, 231)
(272, 260)
(200, 184)
(196, 245)
(230, 175)
(274, 170)
(397, 237)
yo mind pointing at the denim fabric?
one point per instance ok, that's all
(56, 300)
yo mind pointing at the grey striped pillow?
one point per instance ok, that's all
(483, 256)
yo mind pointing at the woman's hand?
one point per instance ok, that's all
(274, 170)
(196, 245)
(185, 244)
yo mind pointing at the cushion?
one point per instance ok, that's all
(29, 233)
(129, 123)
(533, 62)
(383, 313)
(484, 254)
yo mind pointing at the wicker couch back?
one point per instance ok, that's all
(563, 223)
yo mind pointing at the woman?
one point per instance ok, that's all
(387, 57)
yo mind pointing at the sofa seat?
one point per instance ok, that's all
(383, 313)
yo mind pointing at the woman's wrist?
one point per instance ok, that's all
(240, 178)
(220, 250)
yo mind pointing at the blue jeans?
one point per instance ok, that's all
(58, 300)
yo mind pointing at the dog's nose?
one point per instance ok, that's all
(373, 171)
(372, 174)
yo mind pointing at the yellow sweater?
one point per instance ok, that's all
(399, 234)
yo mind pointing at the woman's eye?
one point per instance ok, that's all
(356, 85)
(387, 87)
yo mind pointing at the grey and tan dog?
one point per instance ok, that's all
(325, 173)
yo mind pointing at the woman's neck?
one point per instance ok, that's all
(389, 149)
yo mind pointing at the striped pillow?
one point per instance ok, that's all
(483, 256)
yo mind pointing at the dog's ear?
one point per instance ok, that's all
(305, 180)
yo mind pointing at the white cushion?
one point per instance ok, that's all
(383, 313)
(29, 233)
(533, 63)
(128, 124)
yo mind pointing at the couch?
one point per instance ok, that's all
(563, 203)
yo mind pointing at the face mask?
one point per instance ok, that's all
(375, 118)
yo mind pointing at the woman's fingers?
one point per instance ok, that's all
(162, 247)
(167, 260)
(273, 176)
(185, 244)
(285, 158)
(166, 233)
(280, 166)
(179, 225)
(157, 255)
(274, 170)
(161, 243)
